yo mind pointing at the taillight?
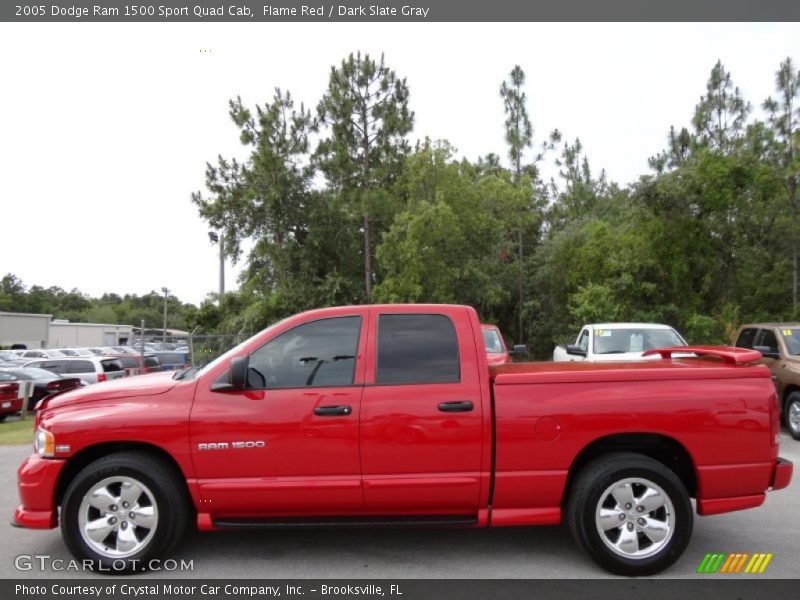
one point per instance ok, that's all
(101, 377)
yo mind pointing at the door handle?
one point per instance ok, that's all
(332, 411)
(462, 406)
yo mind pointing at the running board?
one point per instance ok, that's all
(338, 522)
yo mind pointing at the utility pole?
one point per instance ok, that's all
(164, 331)
(219, 238)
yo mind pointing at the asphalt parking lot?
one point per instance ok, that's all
(543, 552)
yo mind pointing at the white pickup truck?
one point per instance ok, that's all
(618, 341)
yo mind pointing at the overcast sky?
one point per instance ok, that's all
(105, 129)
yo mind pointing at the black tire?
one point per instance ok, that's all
(592, 483)
(792, 400)
(170, 499)
(3, 417)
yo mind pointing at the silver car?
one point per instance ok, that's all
(92, 369)
(42, 354)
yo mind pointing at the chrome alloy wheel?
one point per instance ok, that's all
(118, 517)
(635, 518)
(794, 416)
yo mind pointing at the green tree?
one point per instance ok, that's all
(366, 110)
(784, 120)
(265, 198)
(720, 117)
(519, 138)
(445, 247)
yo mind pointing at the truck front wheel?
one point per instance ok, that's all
(123, 511)
(630, 513)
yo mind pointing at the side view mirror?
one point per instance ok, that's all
(237, 376)
(575, 350)
(239, 366)
(518, 350)
(767, 352)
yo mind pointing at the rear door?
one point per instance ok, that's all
(422, 429)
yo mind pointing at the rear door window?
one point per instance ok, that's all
(77, 366)
(416, 348)
(111, 366)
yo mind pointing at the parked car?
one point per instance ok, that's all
(11, 358)
(41, 353)
(90, 369)
(44, 382)
(76, 352)
(779, 345)
(337, 415)
(10, 403)
(136, 364)
(171, 361)
(496, 351)
(618, 342)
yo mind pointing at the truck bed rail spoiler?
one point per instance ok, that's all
(728, 354)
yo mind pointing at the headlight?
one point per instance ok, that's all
(44, 443)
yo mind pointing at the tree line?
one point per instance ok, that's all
(339, 208)
(335, 206)
(78, 307)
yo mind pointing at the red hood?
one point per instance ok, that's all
(140, 385)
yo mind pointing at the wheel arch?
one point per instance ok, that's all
(788, 391)
(662, 448)
(89, 454)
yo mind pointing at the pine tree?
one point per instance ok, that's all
(366, 111)
(784, 119)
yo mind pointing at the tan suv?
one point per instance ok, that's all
(779, 344)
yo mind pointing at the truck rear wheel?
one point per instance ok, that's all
(124, 510)
(791, 415)
(630, 513)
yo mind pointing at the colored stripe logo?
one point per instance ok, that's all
(734, 562)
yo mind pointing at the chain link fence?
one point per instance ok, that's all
(205, 348)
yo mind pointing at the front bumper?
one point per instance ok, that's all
(782, 474)
(36, 481)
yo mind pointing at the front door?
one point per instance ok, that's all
(421, 418)
(288, 443)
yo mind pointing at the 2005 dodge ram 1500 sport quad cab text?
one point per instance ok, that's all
(378, 415)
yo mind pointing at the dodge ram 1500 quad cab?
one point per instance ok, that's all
(390, 414)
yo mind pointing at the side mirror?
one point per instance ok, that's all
(237, 376)
(575, 350)
(238, 371)
(519, 350)
(766, 352)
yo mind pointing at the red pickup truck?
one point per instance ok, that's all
(376, 415)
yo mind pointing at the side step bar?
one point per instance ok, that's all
(337, 522)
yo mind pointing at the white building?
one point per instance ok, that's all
(40, 331)
(64, 334)
(33, 331)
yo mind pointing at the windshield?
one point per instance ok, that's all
(634, 339)
(791, 337)
(492, 341)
